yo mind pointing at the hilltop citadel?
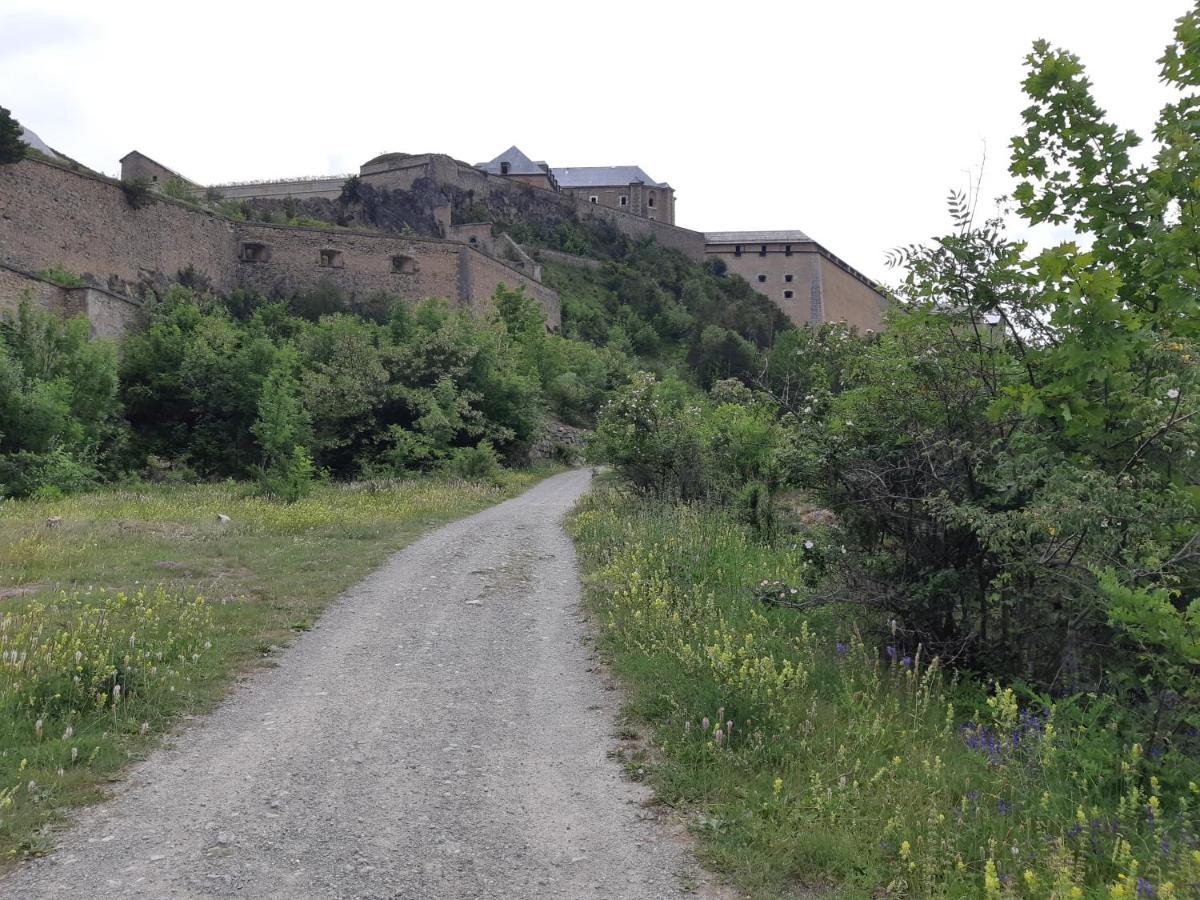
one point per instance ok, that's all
(120, 236)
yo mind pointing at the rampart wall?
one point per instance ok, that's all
(110, 314)
(52, 216)
(330, 188)
(55, 217)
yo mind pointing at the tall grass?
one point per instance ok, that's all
(811, 756)
(124, 609)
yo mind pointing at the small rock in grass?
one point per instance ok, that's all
(222, 518)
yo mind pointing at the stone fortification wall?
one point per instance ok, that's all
(485, 274)
(281, 261)
(328, 188)
(568, 259)
(110, 314)
(360, 264)
(51, 216)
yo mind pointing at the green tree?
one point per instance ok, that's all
(1029, 505)
(12, 148)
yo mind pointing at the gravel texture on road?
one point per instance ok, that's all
(445, 731)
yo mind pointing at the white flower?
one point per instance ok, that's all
(808, 545)
(1189, 452)
(1173, 393)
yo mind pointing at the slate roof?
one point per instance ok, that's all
(756, 237)
(604, 176)
(518, 164)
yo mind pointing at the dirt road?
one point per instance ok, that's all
(441, 733)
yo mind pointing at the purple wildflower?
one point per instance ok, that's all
(1002, 808)
(906, 661)
(891, 652)
(840, 649)
(1146, 889)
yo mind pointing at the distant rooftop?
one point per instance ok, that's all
(757, 237)
(604, 176)
(518, 164)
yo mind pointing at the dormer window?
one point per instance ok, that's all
(504, 167)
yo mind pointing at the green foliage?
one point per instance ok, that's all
(235, 396)
(290, 479)
(656, 303)
(672, 443)
(12, 148)
(1026, 503)
(479, 463)
(178, 189)
(59, 410)
(137, 193)
(807, 755)
(62, 277)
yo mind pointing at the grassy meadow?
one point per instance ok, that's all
(126, 610)
(814, 762)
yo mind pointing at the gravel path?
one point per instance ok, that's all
(441, 733)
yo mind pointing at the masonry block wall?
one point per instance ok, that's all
(52, 216)
(281, 261)
(109, 314)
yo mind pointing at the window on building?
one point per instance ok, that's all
(593, 199)
(624, 200)
(762, 251)
(154, 178)
(504, 167)
(473, 240)
(737, 249)
(762, 279)
(404, 265)
(787, 249)
(254, 252)
(788, 295)
(787, 278)
(650, 202)
(330, 259)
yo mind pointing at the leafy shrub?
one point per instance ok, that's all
(479, 463)
(1023, 494)
(671, 443)
(59, 411)
(137, 192)
(62, 277)
(290, 479)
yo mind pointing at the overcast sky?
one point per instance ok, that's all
(849, 120)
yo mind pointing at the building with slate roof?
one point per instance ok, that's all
(514, 164)
(626, 188)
